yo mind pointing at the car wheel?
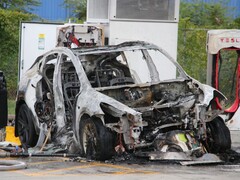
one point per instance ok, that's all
(219, 139)
(26, 131)
(96, 140)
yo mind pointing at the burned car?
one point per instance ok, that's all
(131, 97)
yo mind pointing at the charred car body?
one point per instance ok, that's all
(130, 97)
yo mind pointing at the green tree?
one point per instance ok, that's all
(206, 14)
(21, 5)
(9, 38)
(79, 8)
(195, 20)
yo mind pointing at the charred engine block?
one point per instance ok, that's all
(163, 106)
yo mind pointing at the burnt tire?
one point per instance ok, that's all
(96, 140)
(25, 127)
(219, 138)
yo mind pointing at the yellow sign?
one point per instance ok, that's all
(10, 137)
(41, 41)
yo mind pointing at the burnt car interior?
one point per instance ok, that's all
(105, 70)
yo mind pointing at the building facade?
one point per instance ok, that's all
(52, 11)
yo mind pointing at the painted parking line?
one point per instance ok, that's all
(42, 162)
(47, 172)
(112, 169)
(126, 170)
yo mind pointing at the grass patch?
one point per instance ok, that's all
(11, 106)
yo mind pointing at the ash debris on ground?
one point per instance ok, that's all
(230, 157)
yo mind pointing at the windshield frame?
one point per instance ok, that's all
(130, 46)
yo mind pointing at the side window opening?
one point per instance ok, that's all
(166, 69)
(138, 66)
(48, 69)
(44, 106)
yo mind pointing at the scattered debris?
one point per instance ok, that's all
(205, 159)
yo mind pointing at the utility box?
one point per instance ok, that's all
(38, 38)
(35, 39)
(79, 35)
(154, 21)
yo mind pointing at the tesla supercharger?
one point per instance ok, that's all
(223, 72)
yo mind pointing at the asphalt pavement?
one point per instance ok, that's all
(48, 168)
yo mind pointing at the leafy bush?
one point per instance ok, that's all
(9, 38)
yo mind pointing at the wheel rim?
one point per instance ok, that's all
(89, 140)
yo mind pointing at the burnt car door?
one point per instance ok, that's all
(61, 77)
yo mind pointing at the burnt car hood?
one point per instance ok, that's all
(91, 100)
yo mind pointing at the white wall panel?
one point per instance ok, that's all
(35, 39)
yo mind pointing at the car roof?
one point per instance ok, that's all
(130, 45)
